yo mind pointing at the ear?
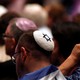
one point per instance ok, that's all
(55, 52)
(56, 46)
(24, 54)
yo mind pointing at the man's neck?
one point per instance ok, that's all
(38, 66)
(35, 66)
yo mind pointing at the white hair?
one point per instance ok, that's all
(36, 13)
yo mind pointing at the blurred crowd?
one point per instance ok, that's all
(39, 38)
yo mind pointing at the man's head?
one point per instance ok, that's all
(4, 22)
(14, 30)
(56, 14)
(66, 35)
(29, 53)
(36, 13)
(76, 18)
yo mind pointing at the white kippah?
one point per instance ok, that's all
(44, 38)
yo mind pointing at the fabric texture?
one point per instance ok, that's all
(75, 75)
(47, 73)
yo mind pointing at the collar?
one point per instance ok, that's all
(40, 74)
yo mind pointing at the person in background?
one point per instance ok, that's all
(66, 36)
(7, 68)
(56, 14)
(15, 29)
(36, 13)
(4, 22)
(13, 5)
(69, 65)
(76, 18)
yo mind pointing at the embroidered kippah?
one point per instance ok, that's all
(25, 24)
(44, 38)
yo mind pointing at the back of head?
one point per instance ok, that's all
(4, 22)
(56, 13)
(36, 13)
(35, 46)
(67, 34)
(20, 25)
(28, 41)
(76, 18)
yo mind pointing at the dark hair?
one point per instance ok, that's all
(57, 13)
(27, 41)
(76, 18)
(15, 31)
(5, 2)
(67, 34)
